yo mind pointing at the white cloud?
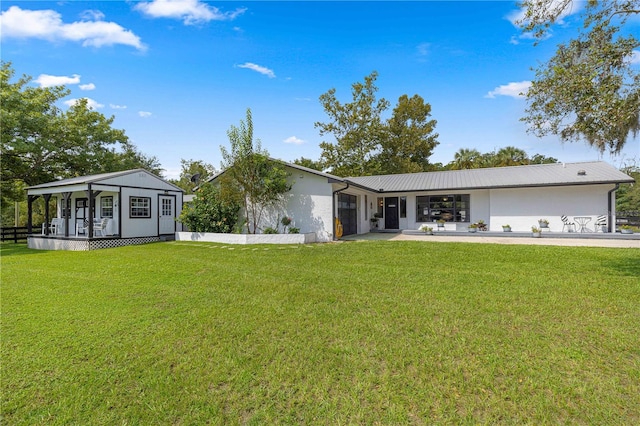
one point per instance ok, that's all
(258, 68)
(515, 90)
(92, 15)
(47, 25)
(144, 114)
(46, 80)
(89, 86)
(189, 11)
(635, 57)
(294, 140)
(114, 106)
(92, 104)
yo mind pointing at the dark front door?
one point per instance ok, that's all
(82, 211)
(391, 220)
(348, 213)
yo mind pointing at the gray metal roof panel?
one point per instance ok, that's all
(84, 179)
(498, 177)
(81, 180)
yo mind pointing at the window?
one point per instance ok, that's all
(451, 208)
(403, 206)
(167, 207)
(139, 207)
(106, 207)
(380, 207)
(66, 210)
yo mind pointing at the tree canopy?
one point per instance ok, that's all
(466, 158)
(589, 90)
(192, 173)
(365, 144)
(41, 143)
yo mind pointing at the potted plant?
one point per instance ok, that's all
(374, 221)
(506, 228)
(537, 232)
(543, 223)
(626, 229)
(473, 227)
(427, 229)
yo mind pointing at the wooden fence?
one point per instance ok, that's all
(628, 218)
(14, 234)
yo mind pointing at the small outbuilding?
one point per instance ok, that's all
(105, 210)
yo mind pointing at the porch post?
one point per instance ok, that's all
(47, 220)
(66, 213)
(91, 201)
(30, 200)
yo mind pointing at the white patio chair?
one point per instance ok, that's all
(84, 227)
(100, 227)
(600, 222)
(55, 227)
(571, 226)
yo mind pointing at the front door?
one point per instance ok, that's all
(348, 213)
(167, 214)
(391, 218)
(82, 213)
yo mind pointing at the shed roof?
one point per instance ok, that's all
(82, 180)
(557, 174)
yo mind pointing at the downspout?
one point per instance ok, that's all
(333, 208)
(610, 208)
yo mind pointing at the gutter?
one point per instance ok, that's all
(333, 204)
(611, 226)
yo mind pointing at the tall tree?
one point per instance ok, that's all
(409, 139)
(628, 196)
(466, 158)
(192, 173)
(589, 89)
(510, 156)
(41, 143)
(308, 163)
(357, 128)
(260, 182)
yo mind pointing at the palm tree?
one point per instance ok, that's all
(511, 156)
(467, 159)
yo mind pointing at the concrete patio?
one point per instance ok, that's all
(616, 240)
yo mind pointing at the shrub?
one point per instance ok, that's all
(269, 230)
(294, 230)
(210, 212)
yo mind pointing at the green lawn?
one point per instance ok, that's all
(349, 333)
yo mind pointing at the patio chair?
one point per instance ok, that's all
(84, 227)
(55, 227)
(571, 226)
(100, 227)
(601, 221)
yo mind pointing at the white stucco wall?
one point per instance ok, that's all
(308, 203)
(522, 207)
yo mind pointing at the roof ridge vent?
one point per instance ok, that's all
(582, 172)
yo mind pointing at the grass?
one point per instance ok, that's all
(351, 333)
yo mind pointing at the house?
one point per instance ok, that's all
(105, 210)
(518, 196)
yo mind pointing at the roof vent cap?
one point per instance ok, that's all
(582, 173)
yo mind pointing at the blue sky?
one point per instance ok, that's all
(177, 74)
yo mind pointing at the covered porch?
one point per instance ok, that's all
(81, 212)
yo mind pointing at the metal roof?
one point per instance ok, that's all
(557, 174)
(82, 180)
